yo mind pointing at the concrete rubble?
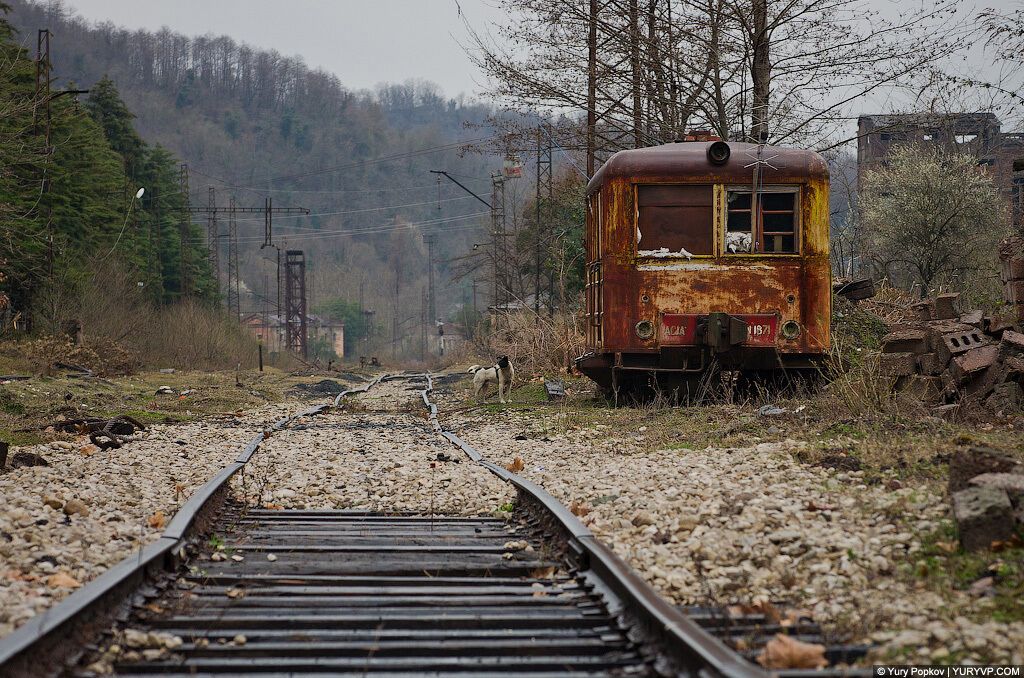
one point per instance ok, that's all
(946, 357)
(986, 488)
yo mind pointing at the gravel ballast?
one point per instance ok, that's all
(113, 498)
(751, 525)
(378, 455)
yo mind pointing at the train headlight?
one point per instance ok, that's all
(718, 153)
(790, 329)
(645, 329)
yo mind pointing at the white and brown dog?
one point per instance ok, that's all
(501, 373)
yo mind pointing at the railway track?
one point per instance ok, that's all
(303, 592)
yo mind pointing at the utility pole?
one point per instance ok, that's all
(213, 237)
(156, 268)
(295, 303)
(591, 87)
(184, 234)
(498, 236)
(423, 327)
(43, 91)
(234, 300)
(545, 190)
(634, 54)
(431, 297)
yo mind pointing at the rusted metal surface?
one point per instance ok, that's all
(627, 284)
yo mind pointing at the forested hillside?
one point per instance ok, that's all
(68, 211)
(256, 124)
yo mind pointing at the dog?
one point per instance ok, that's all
(501, 373)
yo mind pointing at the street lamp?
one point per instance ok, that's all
(138, 195)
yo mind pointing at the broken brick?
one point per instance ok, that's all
(975, 318)
(905, 340)
(937, 328)
(956, 343)
(897, 364)
(1011, 345)
(966, 464)
(1014, 368)
(945, 306)
(972, 362)
(983, 515)
(997, 325)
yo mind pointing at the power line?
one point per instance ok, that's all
(369, 230)
(360, 163)
(366, 209)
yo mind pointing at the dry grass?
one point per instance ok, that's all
(118, 317)
(537, 344)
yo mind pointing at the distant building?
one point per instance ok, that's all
(976, 133)
(271, 331)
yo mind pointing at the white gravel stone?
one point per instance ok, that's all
(378, 453)
(118, 489)
(741, 525)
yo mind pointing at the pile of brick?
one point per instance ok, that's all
(947, 357)
(1011, 259)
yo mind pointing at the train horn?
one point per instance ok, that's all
(718, 153)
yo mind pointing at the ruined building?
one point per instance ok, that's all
(976, 133)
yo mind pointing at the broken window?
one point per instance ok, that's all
(773, 231)
(675, 220)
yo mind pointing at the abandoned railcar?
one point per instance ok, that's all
(702, 256)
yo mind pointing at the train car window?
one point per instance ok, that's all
(773, 232)
(778, 219)
(675, 220)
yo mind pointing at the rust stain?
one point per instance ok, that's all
(792, 286)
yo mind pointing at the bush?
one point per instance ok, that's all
(536, 345)
(123, 329)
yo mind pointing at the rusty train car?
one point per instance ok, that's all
(706, 255)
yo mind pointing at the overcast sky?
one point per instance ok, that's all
(364, 42)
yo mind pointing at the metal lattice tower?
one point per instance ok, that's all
(545, 191)
(184, 234)
(212, 237)
(431, 239)
(295, 302)
(234, 304)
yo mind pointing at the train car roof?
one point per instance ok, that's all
(689, 159)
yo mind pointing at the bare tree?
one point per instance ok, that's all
(646, 71)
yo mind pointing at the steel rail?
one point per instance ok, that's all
(689, 648)
(52, 640)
